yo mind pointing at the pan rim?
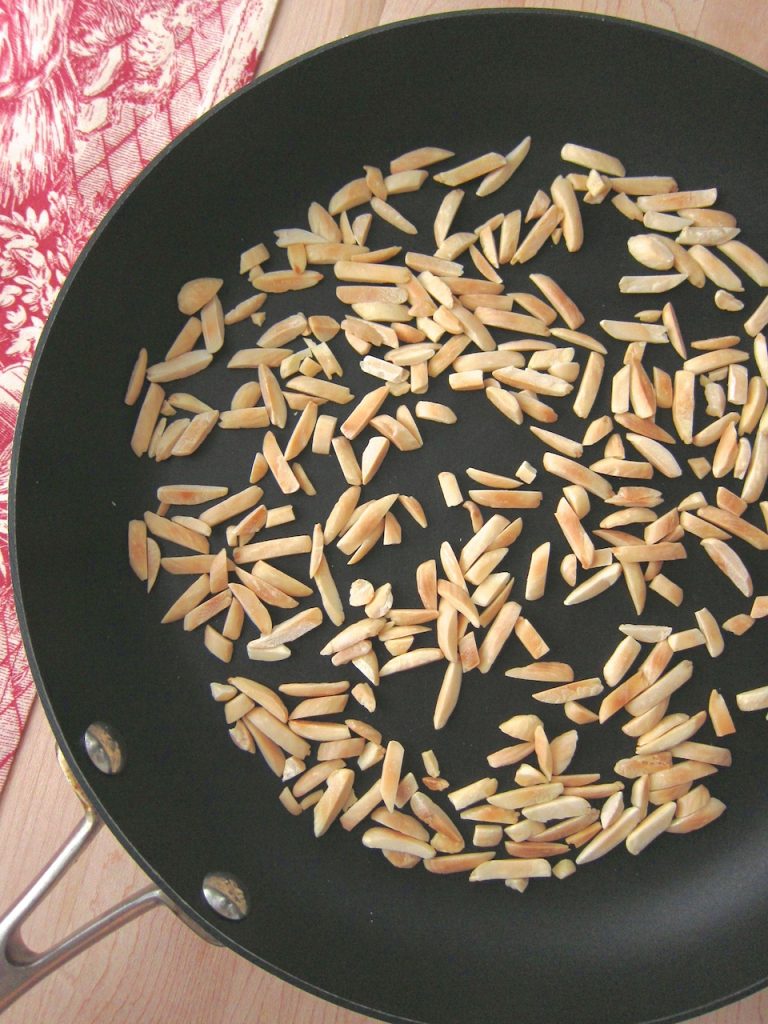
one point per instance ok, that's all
(187, 909)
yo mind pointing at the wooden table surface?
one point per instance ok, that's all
(155, 969)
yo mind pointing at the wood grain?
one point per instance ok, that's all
(156, 969)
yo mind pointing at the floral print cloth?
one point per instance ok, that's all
(90, 92)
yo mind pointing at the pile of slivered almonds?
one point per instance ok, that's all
(413, 317)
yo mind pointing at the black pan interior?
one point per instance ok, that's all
(683, 927)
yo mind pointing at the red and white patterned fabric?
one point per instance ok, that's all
(90, 92)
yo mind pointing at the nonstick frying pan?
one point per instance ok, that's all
(682, 928)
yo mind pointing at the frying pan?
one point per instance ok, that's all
(679, 930)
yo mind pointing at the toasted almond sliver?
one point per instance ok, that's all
(189, 494)
(363, 629)
(578, 539)
(646, 634)
(413, 659)
(193, 295)
(735, 525)
(453, 863)
(449, 485)
(348, 463)
(414, 508)
(371, 517)
(577, 713)
(498, 634)
(435, 411)
(389, 840)
(538, 235)
(474, 793)
(408, 180)
(753, 700)
(578, 690)
(448, 695)
(699, 818)
(516, 868)
(495, 179)
(661, 689)
(607, 839)
(434, 817)
(362, 807)
(594, 159)
(595, 584)
(321, 389)
(219, 646)
(471, 169)
(537, 573)
(415, 159)
(390, 773)
(543, 671)
(505, 498)
(445, 215)
(147, 419)
(621, 660)
(331, 803)
(314, 689)
(560, 808)
(137, 378)
(650, 828)
(392, 216)
(564, 196)
(506, 403)
(288, 630)
(372, 458)
(729, 563)
(137, 548)
(192, 596)
(575, 473)
(302, 432)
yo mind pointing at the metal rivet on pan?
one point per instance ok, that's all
(104, 749)
(225, 895)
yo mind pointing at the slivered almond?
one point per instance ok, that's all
(729, 563)
(390, 773)
(563, 445)
(537, 573)
(413, 659)
(505, 498)
(506, 402)
(434, 817)
(699, 818)
(661, 689)
(564, 197)
(593, 159)
(538, 235)
(578, 690)
(596, 584)
(575, 473)
(543, 671)
(513, 869)
(475, 168)
(752, 700)
(498, 177)
(574, 533)
(327, 809)
(448, 695)
(607, 839)
(498, 634)
(302, 432)
(621, 660)
(735, 525)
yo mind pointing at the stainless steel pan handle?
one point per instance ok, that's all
(21, 967)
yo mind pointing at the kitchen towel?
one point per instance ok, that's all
(90, 92)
